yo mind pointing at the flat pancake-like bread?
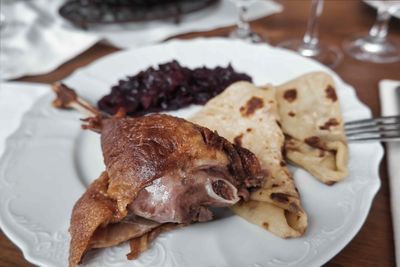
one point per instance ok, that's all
(312, 121)
(260, 213)
(247, 115)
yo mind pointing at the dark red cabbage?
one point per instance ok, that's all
(169, 87)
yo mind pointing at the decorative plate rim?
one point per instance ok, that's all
(368, 194)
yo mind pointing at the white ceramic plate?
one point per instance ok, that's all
(49, 161)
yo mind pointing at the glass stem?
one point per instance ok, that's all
(310, 38)
(379, 31)
(242, 23)
(2, 19)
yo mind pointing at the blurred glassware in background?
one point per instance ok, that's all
(376, 46)
(310, 46)
(2, 16)
(243, 30)
(2, 20)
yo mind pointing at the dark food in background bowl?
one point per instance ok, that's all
(85, 12)
(169, 87)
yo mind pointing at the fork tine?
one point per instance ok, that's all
(388, 135)
(374, 128)
(374, 132)
(381, 129)
(385, 118)
(372, 121)
(374, 138)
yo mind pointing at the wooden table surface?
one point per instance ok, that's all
(373, 245)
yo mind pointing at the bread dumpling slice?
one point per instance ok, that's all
(247, 116)
(312, 122)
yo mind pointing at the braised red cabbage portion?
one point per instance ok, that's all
(168, 87)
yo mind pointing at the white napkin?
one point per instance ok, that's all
(35, 39)
(15, 99)
(390, 106)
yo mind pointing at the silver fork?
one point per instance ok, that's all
(383, 129)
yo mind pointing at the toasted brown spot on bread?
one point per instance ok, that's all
(275, 185)
(313, 141)
(330, 123)
(282, 163)
(251, 204)
(238, 140)
(290, 95)
(291, 114)
(248, 130)
(330, 93)
(251, 106)
(265, 225)
(330, 182)
(280, 197)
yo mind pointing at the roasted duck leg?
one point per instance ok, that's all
(159, 170)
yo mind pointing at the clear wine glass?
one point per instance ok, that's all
(2, 19)
(2, 16)
(376, 46)
(310, 45)
(243, 30)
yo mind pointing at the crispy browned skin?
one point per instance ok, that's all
(161, 171)
(138, 151)
(93, 209)
(96, 222)
(142, 243)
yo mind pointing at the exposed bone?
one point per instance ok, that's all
(68, 98)
(210, 191)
